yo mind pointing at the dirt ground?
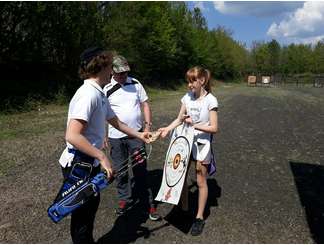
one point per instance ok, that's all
(268, 187)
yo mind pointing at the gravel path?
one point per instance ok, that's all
(268, 188)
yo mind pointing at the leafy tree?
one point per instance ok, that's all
(274, 50)
(261, 56)
(318, 55)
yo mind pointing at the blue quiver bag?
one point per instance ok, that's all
(75, 191)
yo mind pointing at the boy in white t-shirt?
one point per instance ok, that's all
(88, 111)
(199, 109)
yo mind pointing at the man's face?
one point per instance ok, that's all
(120, 77)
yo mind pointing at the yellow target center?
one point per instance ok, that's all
(176, 161)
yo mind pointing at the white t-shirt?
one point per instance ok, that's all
(126, 104)
(198, 110)
(90, 104)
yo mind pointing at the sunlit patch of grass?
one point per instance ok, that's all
(308, 94)
(157, 93)
(5, 165)
(21, 125)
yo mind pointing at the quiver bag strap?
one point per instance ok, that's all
(118, 86)
(113, 89)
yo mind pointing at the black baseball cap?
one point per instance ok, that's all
(88, 54)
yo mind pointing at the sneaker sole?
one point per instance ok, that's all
(126, 209)
(154, 219)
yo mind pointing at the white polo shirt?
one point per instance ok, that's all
(90, 104)
(126, 104)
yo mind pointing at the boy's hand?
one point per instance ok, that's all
(110, 174)
(106, 165)
(106, 143)
(145, 136)
(154, 135)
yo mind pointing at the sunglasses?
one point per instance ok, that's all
(121, 73)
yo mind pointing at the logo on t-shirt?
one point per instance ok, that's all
(195, 114)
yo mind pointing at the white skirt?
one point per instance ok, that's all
(201, 150)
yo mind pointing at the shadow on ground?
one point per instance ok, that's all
(183, 220)
(128, 228)
(309, 179)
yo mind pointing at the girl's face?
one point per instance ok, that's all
(196, 84)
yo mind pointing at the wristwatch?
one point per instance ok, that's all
(147, 124)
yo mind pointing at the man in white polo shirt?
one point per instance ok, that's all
(127, 98)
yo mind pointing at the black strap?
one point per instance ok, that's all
(118, 86)
(113, 89)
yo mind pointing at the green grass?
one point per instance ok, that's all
(50, 118)
(21, 125)
(156, 93)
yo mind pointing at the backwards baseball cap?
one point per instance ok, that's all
(120, 64)
(89, 54)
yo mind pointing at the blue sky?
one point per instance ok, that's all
(286, 21)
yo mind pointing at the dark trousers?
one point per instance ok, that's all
(135, 188)
(82, 219)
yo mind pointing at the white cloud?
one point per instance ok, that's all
(256, 8)
(201, 6)
(305, 25)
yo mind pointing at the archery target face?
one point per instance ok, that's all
(176, 160)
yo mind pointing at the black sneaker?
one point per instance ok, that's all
(123, 207)
(197, 227)
(153, 215)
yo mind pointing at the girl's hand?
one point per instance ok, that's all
(184, 117)
(164, 132)
(188, 120)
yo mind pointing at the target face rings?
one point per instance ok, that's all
(176, 160)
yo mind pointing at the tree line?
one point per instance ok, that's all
(40, 44)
